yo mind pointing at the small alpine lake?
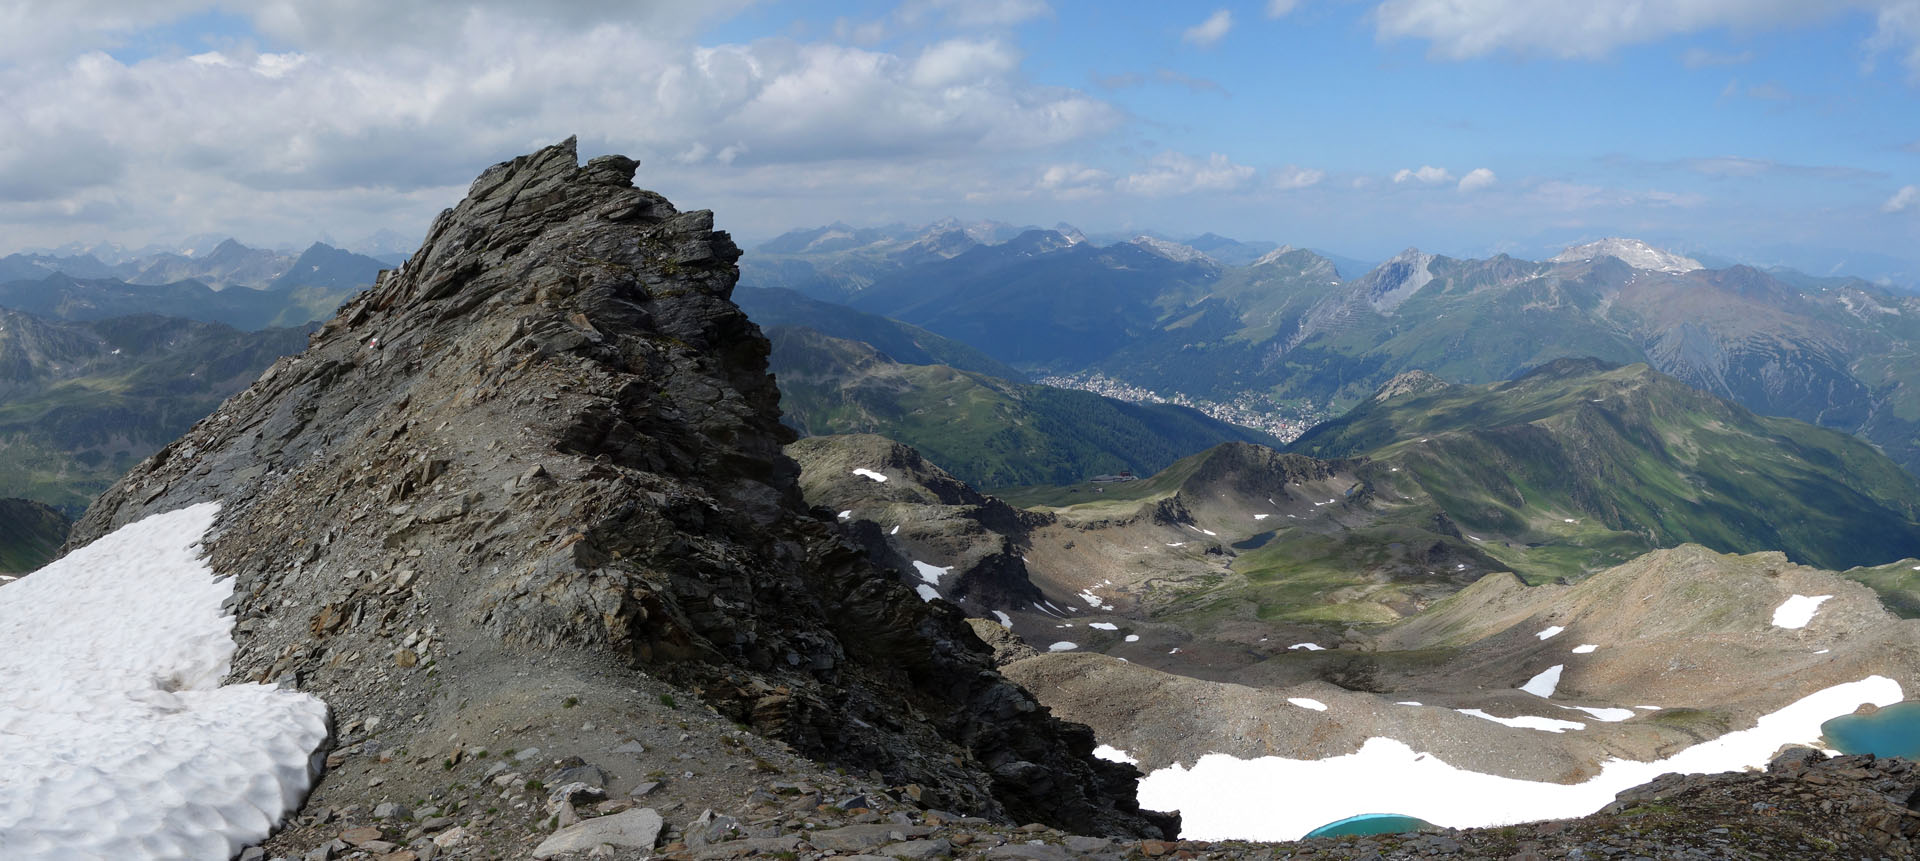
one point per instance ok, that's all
(1891, 731)
(1370, 823)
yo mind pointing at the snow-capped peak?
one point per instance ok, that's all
(1632, 252)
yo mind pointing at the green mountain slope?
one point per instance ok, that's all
(988, 431)
(30, 535)
(81, 403)
(1638, 454)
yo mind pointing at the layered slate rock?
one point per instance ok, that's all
(550, 440)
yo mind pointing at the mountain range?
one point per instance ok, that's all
(1289, 329)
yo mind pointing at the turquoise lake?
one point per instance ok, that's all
(1891, 731)
(1370, 823)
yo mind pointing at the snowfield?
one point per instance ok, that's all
(117, 739)
(1272, 798)
(1797, 611)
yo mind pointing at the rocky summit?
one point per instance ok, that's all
(520, 515)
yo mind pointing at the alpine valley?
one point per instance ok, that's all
(981, 541)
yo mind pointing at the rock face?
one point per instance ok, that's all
(551, 437)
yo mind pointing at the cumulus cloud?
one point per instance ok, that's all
(1292, 177)
(1426, 174)
(1902, 200)
(1897, 31)
(1073, 181)
(1206, 33)
(1477, 179)
(1173, 173)
(1280, 8)
(139, 142)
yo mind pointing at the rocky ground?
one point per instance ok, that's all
(1803, 806)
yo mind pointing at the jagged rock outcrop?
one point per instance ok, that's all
(549, 441)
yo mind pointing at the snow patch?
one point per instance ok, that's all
(863, 471)
(1551, 632)
(846, 514)
(117, 739)
(1542, 724)
(1261, 516)
(1133, 638)
(1542, 685)
(1113, 754)
(927, 593)
(1306, 703)
(1104, 626)
(1223, 798)
(1797, 611)
(1311, 647)
(1584, 649)
(1093, 600)
(1063, 646)
(1006, 621)
(931, 573)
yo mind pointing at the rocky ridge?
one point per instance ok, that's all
(542, 462)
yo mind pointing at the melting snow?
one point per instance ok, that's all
(1113, 754)
(1094, 600)
(1550, 632)
(1311, 647)
(846, 514)
(1305, 703)
(1261, 516)
(1133, 638)
(116, 737)
(927, 593)
(1104, 626)
(1282, 799)
(930, 573)
(1542, 685)
(1527, 721)
(1584, 649)
(1797, 611)
(1063, 646)
(1006, 621)
(871, 474)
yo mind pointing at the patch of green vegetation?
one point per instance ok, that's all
(988, 432)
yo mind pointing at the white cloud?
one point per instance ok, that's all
(1073, 181)
(1173, 173)
(963, 61)
(1902, 200)
(1477, 179)
(974, 13)
(1206, 33)
(1427, 174)
(1584, 29)
(1280, 8)
(1291, 177)
(320, 136)
(1898, 30)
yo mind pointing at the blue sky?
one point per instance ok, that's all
(1761, 130)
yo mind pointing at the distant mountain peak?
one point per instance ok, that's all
(1633, 252)
(1171, 250)
(1274, 255)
